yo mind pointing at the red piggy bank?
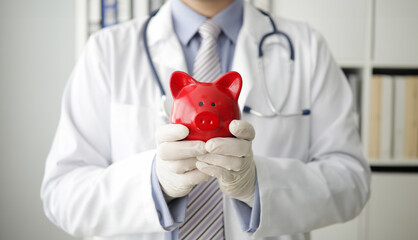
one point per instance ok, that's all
(206, 109)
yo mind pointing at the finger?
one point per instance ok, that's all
(181, 166)
(227, 162)
(242, 129)
(180, 150)
(215, 171)
(228, 146)
(193, 177)
(171, 133)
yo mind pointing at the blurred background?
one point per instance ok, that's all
(37, 53)
(374, 41)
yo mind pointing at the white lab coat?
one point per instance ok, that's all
(310, 169)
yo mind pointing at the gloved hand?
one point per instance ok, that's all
(230, 160)
(176, 161)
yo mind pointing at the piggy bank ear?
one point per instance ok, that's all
(178, 81)
(232, 81)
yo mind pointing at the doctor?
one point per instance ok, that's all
(117, 171)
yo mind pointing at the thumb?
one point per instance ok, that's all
(171, 133)
(242, 129)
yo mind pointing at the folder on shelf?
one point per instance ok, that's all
(386, 119)
(109, 12)
(381, 117)
(375, 117)
(399, 117)
(393, 126)
(411, 118)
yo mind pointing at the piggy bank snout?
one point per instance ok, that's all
(207, 121)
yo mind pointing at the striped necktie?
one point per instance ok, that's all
(204, 213)
(207, 67)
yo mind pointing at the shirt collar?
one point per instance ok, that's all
(187, 22)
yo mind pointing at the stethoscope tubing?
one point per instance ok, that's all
(148, 54)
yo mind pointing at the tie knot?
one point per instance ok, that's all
(209, 29)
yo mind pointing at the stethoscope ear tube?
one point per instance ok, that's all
(275, 111)
(148, 54)
(164, 108)
(275, 32)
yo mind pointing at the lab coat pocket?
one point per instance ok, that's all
(133, 128)
(279, 136)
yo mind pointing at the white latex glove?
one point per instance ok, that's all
(230, 160)
(176, 161)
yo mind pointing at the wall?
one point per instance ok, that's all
(36, 57)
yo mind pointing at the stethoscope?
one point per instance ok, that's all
(276, 111)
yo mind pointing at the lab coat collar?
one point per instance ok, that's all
(245, 62)
(187, 21)
(230, 20)
(161, 25)
(163, 43)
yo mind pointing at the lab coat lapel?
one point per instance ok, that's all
(165, 48)
(245, 62)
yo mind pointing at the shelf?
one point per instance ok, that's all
(395, 169)
(409, 162)
(395, 65)
(391, 166)
(351, 64)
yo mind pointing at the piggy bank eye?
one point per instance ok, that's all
(213, 104)
(201, 104)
